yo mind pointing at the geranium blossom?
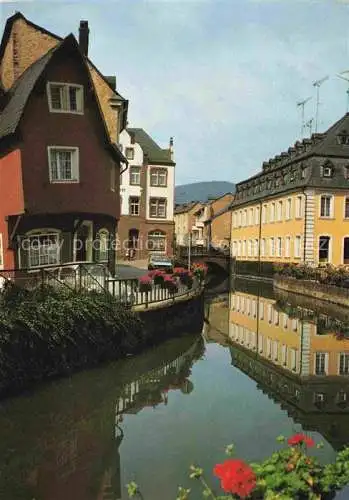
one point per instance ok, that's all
(236, 477)
(300, 439)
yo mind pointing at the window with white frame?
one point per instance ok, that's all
(294, 324)
(288, 208)
(270, 313)
(239, 248)
(63, 164)
(250, 218)
(269, 347)
(346, 207)
(271, 247)
(244, 252)
(261, 310)
(272, 212)
(65, 98)
(287, 246)
(260, 343)
(135, 176)
(278, 247)
(234, 248)
(157, 241)
(158, 177)
(279, 210)
(157, 208)
(275, 350)
(255, 248)
(240, 218)
(299, 207)
(43, 249)
(321, 363)
(134, 204)
(244, 218)
(249, 248)
(1, 252)
(285, 322)
(264, 213)
(130, 153)
(256, 216)
(276, 317)
(293, 359)
(284, 354)
(297, 247)
(263, 247)
(103, 239)
(344, 363)
(254, 308)
(326, 205)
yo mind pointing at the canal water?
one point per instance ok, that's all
(265, 364)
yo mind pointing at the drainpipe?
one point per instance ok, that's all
(260, 235)
(305, 223)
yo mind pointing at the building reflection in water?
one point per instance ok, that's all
(83, 463)
(297, 356)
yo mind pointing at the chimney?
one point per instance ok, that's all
(83, 37)
(171, 148)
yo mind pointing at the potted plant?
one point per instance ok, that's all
(144, 283)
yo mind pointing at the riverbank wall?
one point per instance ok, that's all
(313, 289)
(49, 333)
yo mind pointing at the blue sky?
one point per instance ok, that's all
(222, 77)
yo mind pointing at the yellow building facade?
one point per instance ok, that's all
(297, 208)
(293, 344)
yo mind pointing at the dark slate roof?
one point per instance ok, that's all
(19, 95)
(185, 207)
(153, 152)
(284, 172)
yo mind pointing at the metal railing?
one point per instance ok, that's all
(128, 291)
(93, 277)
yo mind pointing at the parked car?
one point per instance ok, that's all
(160, 261)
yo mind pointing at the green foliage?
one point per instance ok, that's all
(288, 474)
(49, 331)
(327, 275)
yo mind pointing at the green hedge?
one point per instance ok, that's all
(50, 332)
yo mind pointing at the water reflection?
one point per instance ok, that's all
(298, 354)
(41, 460)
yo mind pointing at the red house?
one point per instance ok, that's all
(59, 169)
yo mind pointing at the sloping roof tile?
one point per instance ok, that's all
(20, 92)
(154, 153)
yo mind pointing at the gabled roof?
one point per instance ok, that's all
(18, 15)
(21, 90)
(154, 153)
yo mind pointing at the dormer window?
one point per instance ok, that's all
(327, 170)
(65, 98)
(343, 138)
(130, 153)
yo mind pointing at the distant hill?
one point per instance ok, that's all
(201, 191)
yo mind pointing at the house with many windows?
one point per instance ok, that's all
(297, 208)
(147, 196)
(59, 162)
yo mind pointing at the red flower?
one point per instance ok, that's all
(236, 477)
(145, 280)
(300, 439)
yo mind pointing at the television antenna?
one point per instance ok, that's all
(309, 126)
(346, 78)
(318, 84)
(301, 104)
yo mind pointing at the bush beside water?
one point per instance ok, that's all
(49, 332)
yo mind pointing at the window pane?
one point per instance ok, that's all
(56, 92)
(73, 103)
